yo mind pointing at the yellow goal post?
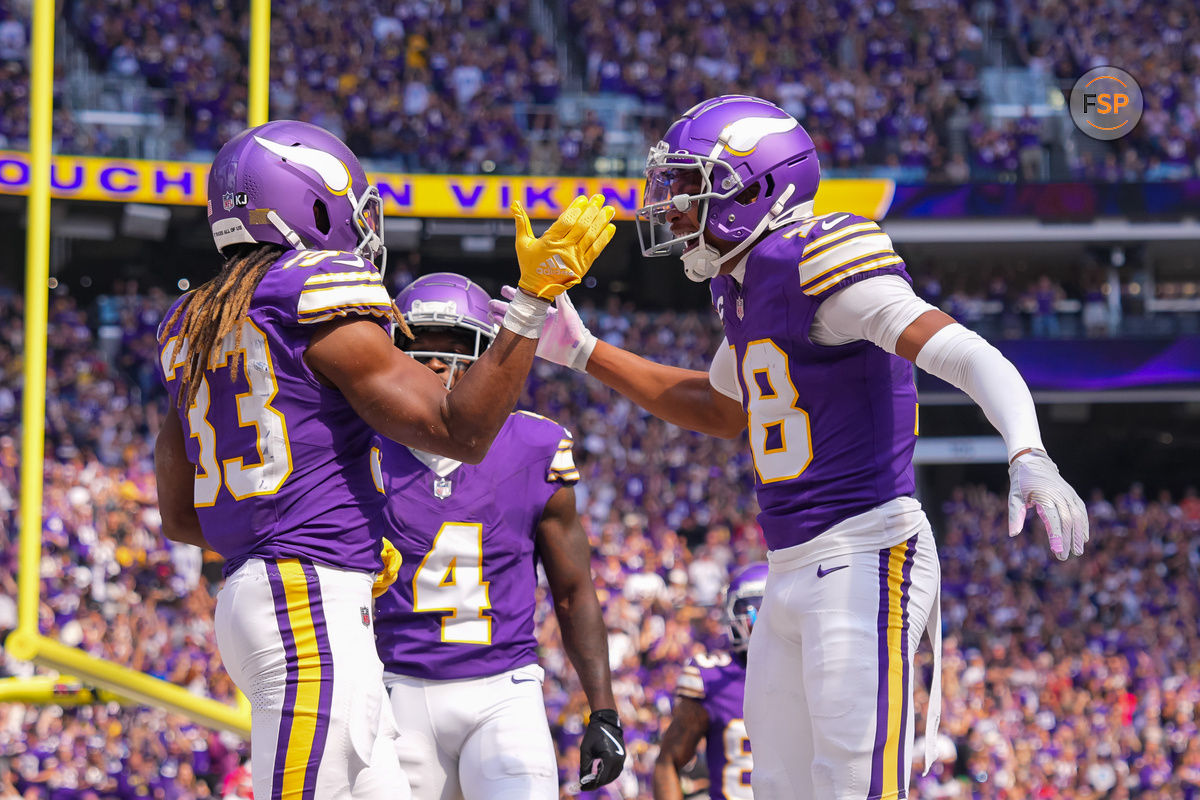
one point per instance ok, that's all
(93, 678)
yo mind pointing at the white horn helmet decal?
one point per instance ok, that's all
(329, 167)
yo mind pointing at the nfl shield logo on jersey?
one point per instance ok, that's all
(741, 308)
(227, 201)
(441, 488)
(366, 616)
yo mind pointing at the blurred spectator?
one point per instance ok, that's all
(1043, 299)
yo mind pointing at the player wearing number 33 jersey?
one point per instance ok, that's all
(280, 371)
(821, 325)
(456, 629)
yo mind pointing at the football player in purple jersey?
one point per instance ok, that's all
(821, 327)
(708, 705)
(280, 370)
(456, 629)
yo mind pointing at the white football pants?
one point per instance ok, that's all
(476, 738)
(298, 639)
(829, 683)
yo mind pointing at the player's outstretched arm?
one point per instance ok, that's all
(684, 397)
(176, 477)
(962, 358)
(566, 556)
(680, 396)
(403, 400)
(408, 403)
(689, 721)
(885, 310)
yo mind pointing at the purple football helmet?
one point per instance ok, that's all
(748, 164)
(448, 300)
(296, 185)
(743, 597)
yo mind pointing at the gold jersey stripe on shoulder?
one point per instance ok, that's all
(368, 276)
(383, 312)
(841, 233)
(563, 461)
(359, 294)
(832, 280)
(840, 255)
(848, 250)
(690, 683)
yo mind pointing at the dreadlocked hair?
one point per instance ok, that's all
(401, 325)
(217, 309)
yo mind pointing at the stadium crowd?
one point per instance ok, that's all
(1061, 680)
(470, 86)
(1066, 39)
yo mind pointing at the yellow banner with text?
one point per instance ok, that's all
(404, 195)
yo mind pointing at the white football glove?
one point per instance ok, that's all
(565, 340)
(1035, 483)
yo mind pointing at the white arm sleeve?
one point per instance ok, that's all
(877, 309)
(722, 374)
(964, 359)
(880, 309)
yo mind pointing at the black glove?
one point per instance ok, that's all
(602, 751)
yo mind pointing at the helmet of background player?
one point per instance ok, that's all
(445, 300)
(297, 185)
(746, 163)
(743, 597)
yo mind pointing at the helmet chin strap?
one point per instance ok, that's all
(703, 262)
(293, 238)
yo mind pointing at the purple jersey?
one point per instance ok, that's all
(718, 682)
(462, 605)
(282, 466)
(832, 429)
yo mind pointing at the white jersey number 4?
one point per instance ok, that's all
(450, 582)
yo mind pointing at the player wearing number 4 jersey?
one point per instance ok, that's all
(820, 324)
(456, 629)
(709, 699)
(279, 368)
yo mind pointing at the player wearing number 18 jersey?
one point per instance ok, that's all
(821, 323)
(278, 370)
(456, 629)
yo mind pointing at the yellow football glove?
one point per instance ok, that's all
(559, 260)
(391, 568)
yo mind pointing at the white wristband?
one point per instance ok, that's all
(580, 358)
(526, 315)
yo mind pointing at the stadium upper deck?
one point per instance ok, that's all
(927, 90)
